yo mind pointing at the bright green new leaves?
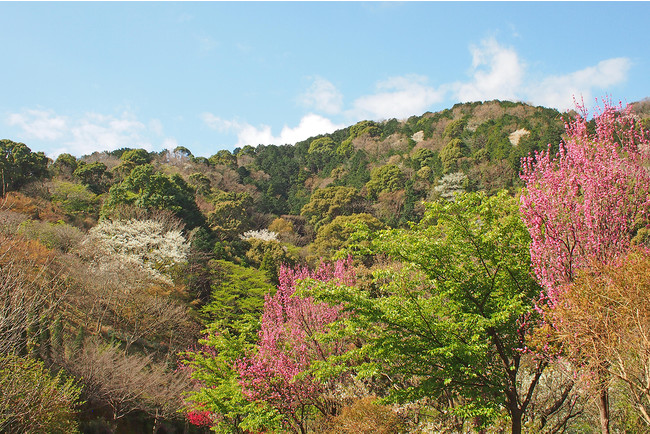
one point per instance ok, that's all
(450, 312)
(34, 401)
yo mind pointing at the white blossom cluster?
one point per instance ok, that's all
(143, 242)
(451, 184)
(263, 234)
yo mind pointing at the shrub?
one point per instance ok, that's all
(34, 401)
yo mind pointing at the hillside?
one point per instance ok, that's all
(116, 263)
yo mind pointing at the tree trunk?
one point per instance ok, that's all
(603, 410)
(515, 420)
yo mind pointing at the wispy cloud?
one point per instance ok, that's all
(39, 124)
(558, 90)
(247, 134)
(323, 96)
(89, 132)
(397, 97)
(497, 73)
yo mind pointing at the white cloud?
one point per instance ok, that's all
(497, 73)
(323, 96)
(39, 124)
(310, 125)
(397, 97)
(87, 133)
(559, 90)
(105, 132)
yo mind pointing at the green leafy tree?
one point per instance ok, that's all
(136, 157)
(327, 203)
(320, 151)
(145, 188)
(335, 235)
(224, 157)
(19, 165)
(65, 165)
(34, 401)
(452, 314)
(237, 296)
(230, 217)
(93, 175)
(75, 199)
(386, 178)
(450, 155)
(454, 129)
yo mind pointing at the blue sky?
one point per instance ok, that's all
(80, 77)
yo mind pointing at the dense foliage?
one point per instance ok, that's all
(167, 292)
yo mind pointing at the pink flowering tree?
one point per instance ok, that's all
(584, 203)
(583, 207)
(278, 372)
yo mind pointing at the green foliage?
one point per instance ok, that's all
(385, 178)
(201, 183)
(327, 203)
(58, 235)
(65, 165)
(136, 157)
(268, 255)
(454, 129)
(230, 217)
(220, 394)
(75, 199)
(450, 155)
(34, 401)
(335, 235)
(93, 176)
(145, 188)
(365, 128)
(447, 315)
(223, 157)
(237, 296)
(19, 165)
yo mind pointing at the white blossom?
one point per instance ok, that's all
(263, 234)
(142, 242)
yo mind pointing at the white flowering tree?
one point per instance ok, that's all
(146, 243)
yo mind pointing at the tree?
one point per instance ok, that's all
(19, 165)
(65, 165)
(327, 203)
(145, 188)
(278, 372)
(451, 154)
(224, 157)
(603, 316)
(145, 244)
(34, 401)
(320, 152)
(230, 217)
(92, 175)
(335, 235)
(584, 205)
(386, 178)
(237, 296)
(452, 313)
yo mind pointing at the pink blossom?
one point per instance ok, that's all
(581, 205)
(277, 372)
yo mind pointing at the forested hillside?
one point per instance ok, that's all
(479, 269)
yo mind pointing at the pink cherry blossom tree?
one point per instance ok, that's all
(584, 205)
(278, 372)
